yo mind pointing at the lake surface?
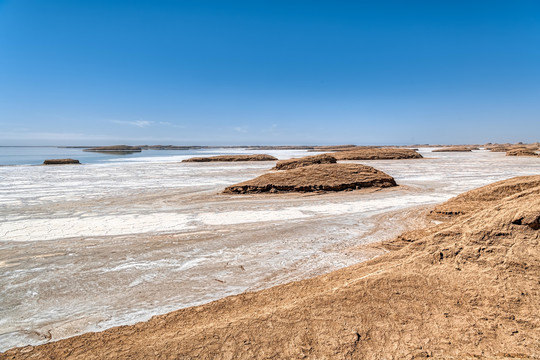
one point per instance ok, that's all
(35, 155)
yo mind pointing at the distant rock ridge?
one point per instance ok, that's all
(456, 149)
(321, 177)
(232, 158)
(115, 148)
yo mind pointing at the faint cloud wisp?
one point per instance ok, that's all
(137, 123)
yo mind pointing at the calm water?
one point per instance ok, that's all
(23, 155)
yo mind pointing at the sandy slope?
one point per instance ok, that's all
(466, 288)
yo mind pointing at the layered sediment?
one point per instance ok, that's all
(521, 152)
(232, 158)
(304, 161)
(323, 177)
(377, 154)
(466, 288)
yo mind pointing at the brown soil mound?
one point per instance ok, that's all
(115, 148)
(456, 149)
(232, 158)
(305, 161)
(60, 162)
(509, 147)
(464, 289)
(485, 196)
(499, 148)
(377, 154)
(521, 152)
(324, 177)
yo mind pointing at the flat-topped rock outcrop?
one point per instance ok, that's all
(305, 161)
(60, 162)
(232, 158)
(323, 177)
(377, 154)
(521, 152)
(115, 148)
(509, 147)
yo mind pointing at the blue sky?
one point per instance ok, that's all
(269, 72)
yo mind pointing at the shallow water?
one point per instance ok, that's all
(84, 248)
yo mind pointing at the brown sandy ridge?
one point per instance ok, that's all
(232, 158)
(521, 152)
(465, 289)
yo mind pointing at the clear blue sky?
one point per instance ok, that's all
(269, 72)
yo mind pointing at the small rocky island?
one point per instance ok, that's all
(321, 177)
(304, 161)
(60, 162)
(232, 158)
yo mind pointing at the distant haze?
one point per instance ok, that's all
(268, 72)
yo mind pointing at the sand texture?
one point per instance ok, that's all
(485, 196)
(521, 152)
(466, 288)
(304, 161)
(323, 177)
(377, 154)
(60, 162)
(232, 158)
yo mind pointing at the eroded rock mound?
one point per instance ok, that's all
(377, 154)
(60, 162)
(511, 147)
(232, 158)
(521, 152)
(324, 177)
(305, 161)
(464, 289)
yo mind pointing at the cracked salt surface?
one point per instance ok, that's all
(84, 248)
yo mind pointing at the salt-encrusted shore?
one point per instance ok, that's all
(115, 244)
